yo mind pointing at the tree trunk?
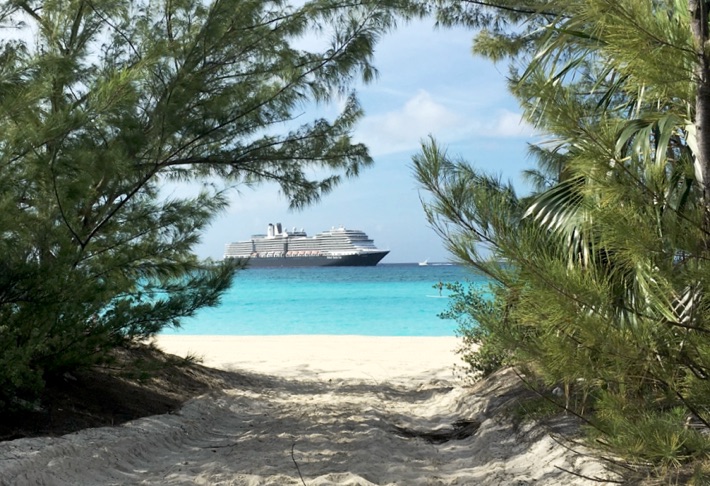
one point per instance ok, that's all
(699, 26)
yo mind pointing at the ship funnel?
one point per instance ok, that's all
(278, 228)
(270, 231)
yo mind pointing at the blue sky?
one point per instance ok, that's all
(429, 83)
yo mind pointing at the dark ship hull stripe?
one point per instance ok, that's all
(356, 260)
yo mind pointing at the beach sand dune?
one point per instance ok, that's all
(340, 411)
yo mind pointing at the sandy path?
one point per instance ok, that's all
(320, 424)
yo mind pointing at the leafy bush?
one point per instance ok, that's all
(479, 317)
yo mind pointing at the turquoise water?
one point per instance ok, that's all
(385, 300)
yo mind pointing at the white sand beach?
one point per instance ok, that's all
(322, 358)
(319, 410)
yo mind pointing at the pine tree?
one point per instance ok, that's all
(605, 290)
(103, 103)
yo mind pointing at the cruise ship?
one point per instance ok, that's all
(337, 247)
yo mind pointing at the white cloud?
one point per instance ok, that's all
(507, 124)
(403, 129)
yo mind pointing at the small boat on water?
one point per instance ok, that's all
(337, 247)
(424, 263)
